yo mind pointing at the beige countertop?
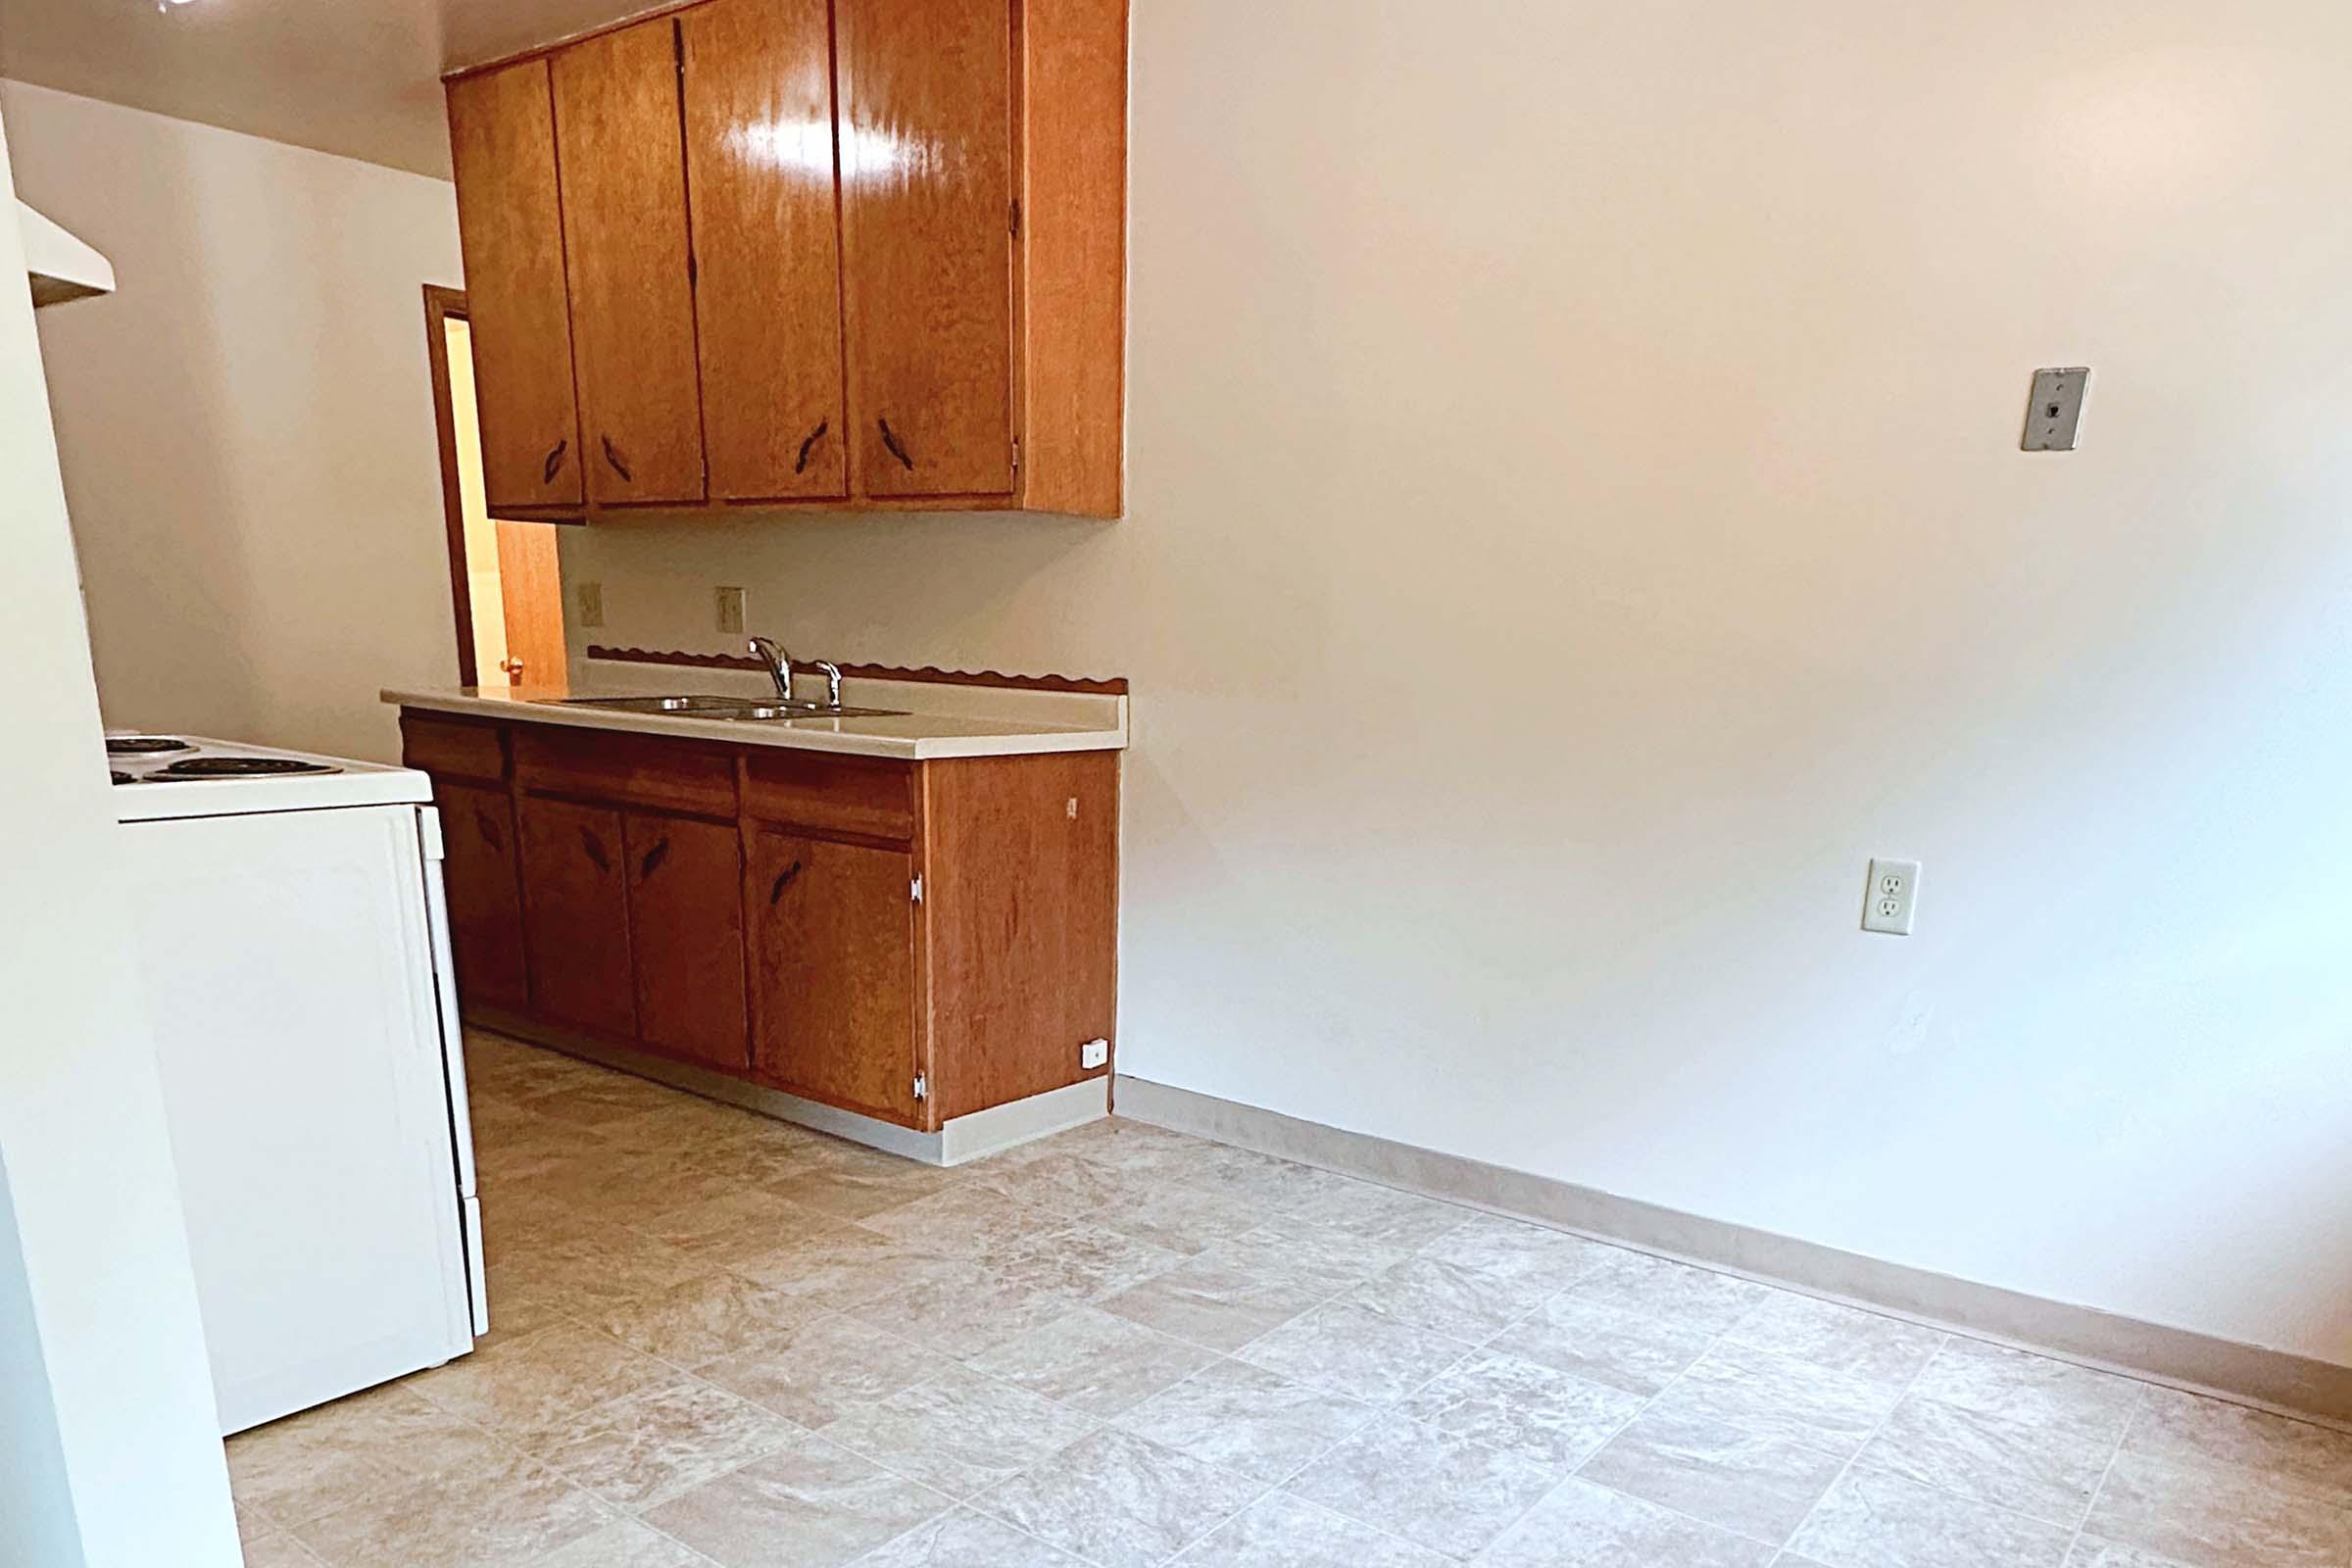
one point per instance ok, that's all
(938, 720)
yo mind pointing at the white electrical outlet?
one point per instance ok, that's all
(1894, 896)
(1094, 1054)
(730, 611)
(592, 603)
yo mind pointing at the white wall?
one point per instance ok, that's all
(1577, 520)
(247, 425)
(109, 1456)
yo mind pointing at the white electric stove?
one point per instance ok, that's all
(294, 944)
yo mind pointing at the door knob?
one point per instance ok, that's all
(514, 669)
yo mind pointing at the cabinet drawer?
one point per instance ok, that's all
(453, 748)
(843, 794)
(628, 769)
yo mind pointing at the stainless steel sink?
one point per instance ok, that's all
(645, 705)
(723, 708)
(771, 712)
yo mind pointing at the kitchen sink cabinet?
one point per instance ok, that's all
(865, 255)
(686, 920)
(575, 906)
(908, 941)
(484, 889)
(833, 971)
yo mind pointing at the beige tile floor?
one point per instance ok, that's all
(721, 1340)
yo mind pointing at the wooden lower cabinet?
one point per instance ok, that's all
(686, 919)
(833, 971)
(754, 910)
(575, 904)
(484, 891)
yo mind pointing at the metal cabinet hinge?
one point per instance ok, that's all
(1013, 217)
(915, 890)
(922, 1087)
(1016, 454)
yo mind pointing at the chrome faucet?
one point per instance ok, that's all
(779, 665)
(779, 668)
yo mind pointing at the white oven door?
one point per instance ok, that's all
(289, 965)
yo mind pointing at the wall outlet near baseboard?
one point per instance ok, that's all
(1094, 1054)
(1894, 896)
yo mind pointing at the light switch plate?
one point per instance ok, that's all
(1894, 896)
(591, 596)
(730, 610)
(2054, 419)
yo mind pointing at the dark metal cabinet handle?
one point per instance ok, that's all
(594, 849)
(620, 464)
(489, 828)
(890, 439)
(800, 463)
(783, 881)
(653, 859)
(554, 461)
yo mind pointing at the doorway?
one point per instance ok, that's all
(503, 575)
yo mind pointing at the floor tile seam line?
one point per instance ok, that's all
(1861, 1447)
(963, 1505)
(569, 1420)
(1255, 1498)
(1877, 1467)
(1283, 1488)
(2139, 1403)
(1649, 1401)
(953, 1501)
(639, 1509)
(1576, 1473)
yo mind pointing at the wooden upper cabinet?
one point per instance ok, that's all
(502, 139)
(760, 163)
(855, 254)
(621, 156)
(927, 208)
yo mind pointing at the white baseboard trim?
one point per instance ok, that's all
(1021, 1121)
(961, 1139)
(2250, 1374)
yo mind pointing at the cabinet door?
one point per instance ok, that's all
(833, 971)
(926, 189)
(759, 88)
(479, 878)
(501, 139)
(624, 234)
(576, 917)
(686, 911)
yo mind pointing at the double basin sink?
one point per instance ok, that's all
(722, 707)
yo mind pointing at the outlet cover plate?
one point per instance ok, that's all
(2054, 419)
(730, 610)
(591, 596)
(1893, 897)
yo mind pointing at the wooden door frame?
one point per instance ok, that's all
(440, 304)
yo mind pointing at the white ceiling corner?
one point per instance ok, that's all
(354, 77)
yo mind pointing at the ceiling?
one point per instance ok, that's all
(351, 76)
